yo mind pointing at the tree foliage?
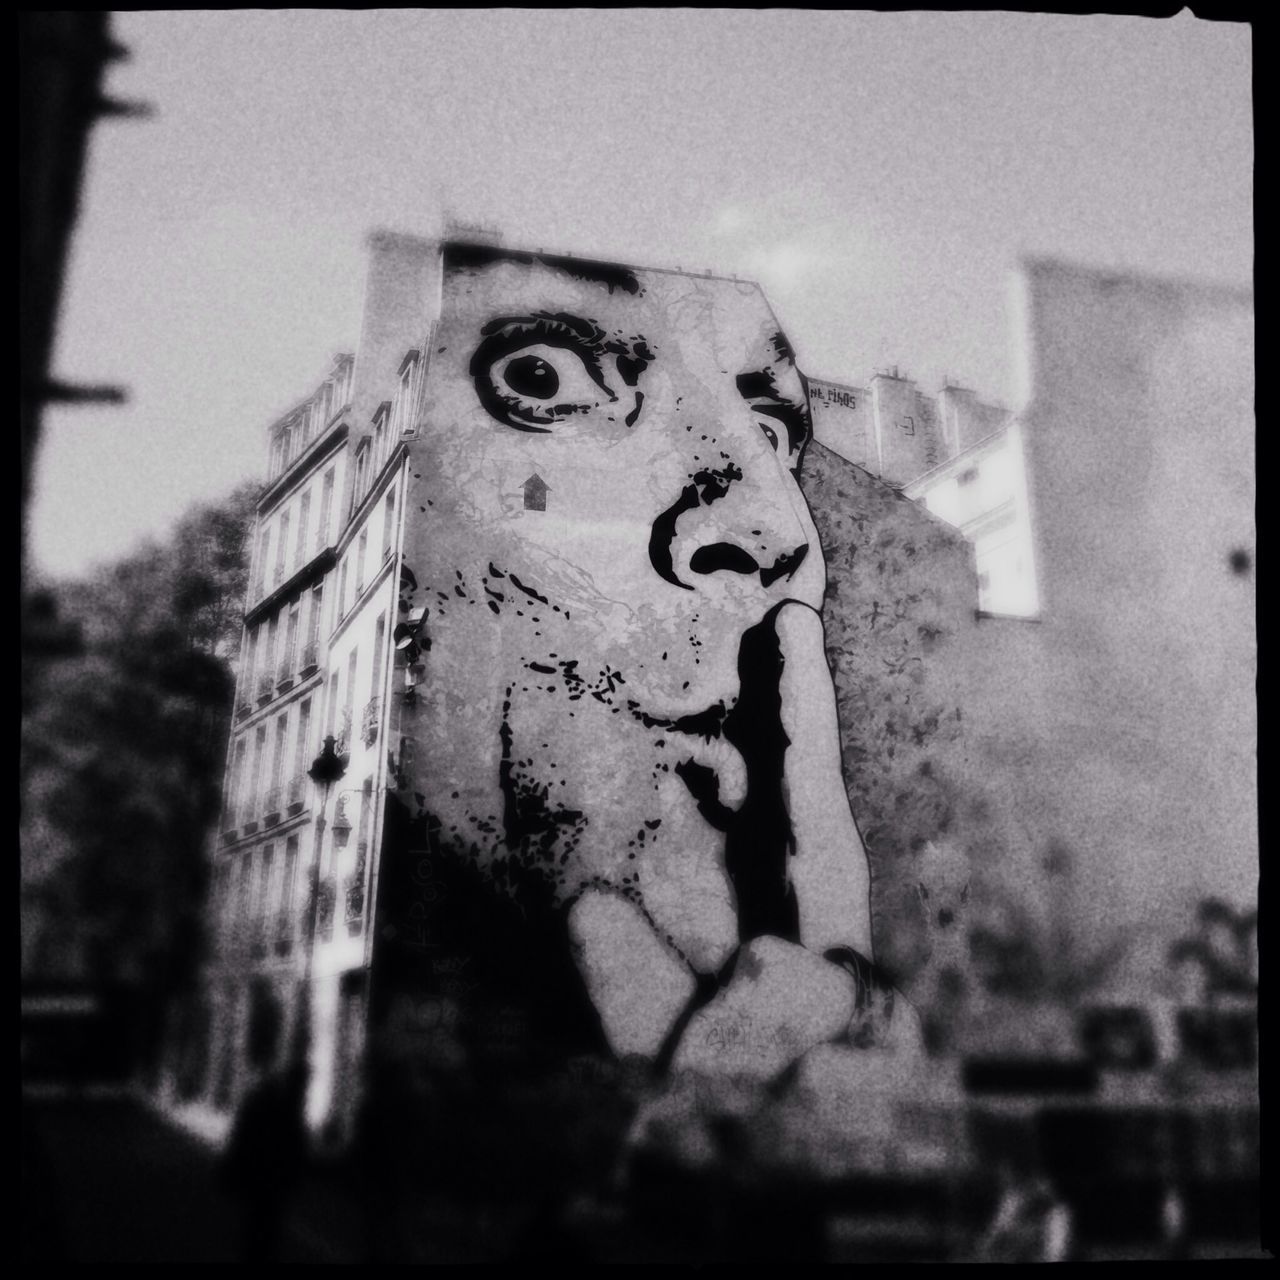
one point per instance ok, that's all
(125, 720)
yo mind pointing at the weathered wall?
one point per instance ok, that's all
(899, 616)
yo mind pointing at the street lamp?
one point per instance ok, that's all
(327, 769)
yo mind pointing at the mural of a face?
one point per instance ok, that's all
(626, 698)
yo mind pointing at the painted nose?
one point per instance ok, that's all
(739, 519)
(725, 557)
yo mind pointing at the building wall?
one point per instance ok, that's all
(983, 492)
(1124, 722)
(899, 620)
(337, 565)
(908, 435)
(402, 293)
(964, 420)
(560, 662)
(843, 420)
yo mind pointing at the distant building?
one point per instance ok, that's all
(956, 454)
(1124, 723)
(982, 491)
(1115, 510)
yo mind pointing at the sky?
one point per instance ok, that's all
(879, 174)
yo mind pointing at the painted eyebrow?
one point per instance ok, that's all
(782, 347)
(475, 257)
(634, 355)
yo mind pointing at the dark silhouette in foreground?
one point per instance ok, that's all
(266, 1157)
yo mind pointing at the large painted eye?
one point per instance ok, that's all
(779, 410)
(547, 380)
(532, 373)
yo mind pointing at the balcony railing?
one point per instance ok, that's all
(271, 805)
(310, 657)
(265, 688)
(245, 706)
(248, 814)
(355, 891)
(369, 722)
(294, 793)
(284, 673)
(342, 738)
(326, 900)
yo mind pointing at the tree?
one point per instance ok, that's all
(124, 738)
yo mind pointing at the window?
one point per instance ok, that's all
(249, 666)
(382, 429)
(379, 643)
(288, 662)
(259, 766)
(342, 591)
(332, 718)
(362, 554)
(404, 393)
(304, 510)
(245, 904)
(260, 573)
(282, 547)
(389, 523)
(362, 460)
(366, 811)
(326, 508)
(302, 746)
(351, 688)
(273, 643)
(277, 760)
(311, 655)
(262, 666)
(238, 800)
(263, 896)
(288, 891)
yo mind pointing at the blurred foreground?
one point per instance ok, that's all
(595, 1164)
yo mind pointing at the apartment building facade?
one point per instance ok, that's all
(316, 663)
